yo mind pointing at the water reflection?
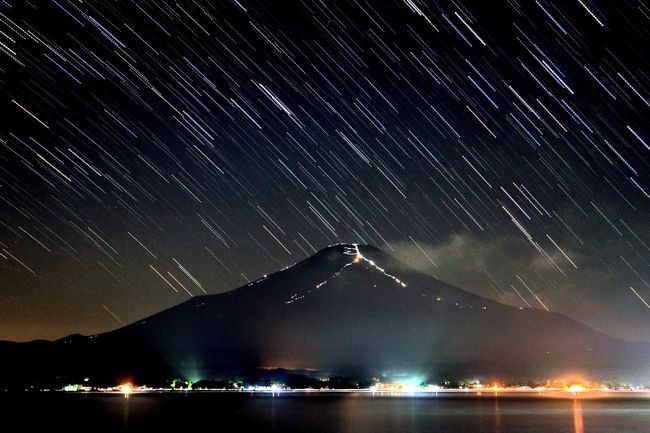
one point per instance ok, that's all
(273, 414)
(577, 416)
(125, 413)
(326, 413)
(497, 416)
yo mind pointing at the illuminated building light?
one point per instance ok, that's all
(575, 389)
(125, 388)
(72, 388)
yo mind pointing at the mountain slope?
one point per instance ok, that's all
(347, 309)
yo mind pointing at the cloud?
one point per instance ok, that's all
(488, 267)
(596, 293)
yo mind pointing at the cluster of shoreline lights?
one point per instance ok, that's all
(349, 250)
(406, 388)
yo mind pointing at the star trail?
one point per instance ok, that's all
(151, 151)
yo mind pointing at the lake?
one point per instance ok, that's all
(322, 412)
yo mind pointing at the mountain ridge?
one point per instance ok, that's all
(347, 308)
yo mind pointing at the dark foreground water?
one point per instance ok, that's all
(228, 412)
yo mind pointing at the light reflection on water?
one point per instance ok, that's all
(328, 413)
(577, 416)
(125, 412)
(497, 416)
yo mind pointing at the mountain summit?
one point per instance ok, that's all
(347, 309)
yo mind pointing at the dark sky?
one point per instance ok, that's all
(154, 150)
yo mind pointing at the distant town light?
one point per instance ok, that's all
(576, 388)
(125, 388)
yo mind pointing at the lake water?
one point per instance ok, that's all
(319, 412)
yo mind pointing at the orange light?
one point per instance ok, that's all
(576, 388)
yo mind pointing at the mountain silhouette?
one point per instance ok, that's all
(348, 309)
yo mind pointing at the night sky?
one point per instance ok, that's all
(155, 150)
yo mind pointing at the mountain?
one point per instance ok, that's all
(348, 309)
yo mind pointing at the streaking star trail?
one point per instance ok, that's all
(153, 151)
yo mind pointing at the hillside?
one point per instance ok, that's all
(346, 310)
